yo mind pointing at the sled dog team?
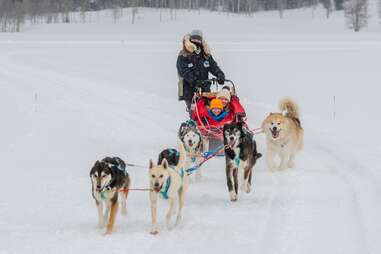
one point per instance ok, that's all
(169, 178)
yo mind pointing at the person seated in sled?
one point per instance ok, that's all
(194, 63)
(214, 115)
(232, 110)
(231, 104)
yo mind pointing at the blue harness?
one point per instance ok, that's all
(164, 193)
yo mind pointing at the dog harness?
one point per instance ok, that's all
(237, 161)
(164, 193)
(106, 188)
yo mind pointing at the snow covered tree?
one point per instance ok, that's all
(281, 4)
(356, 13)
(329, 6)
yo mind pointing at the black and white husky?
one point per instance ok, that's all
(193, 144)
(108, 178)
(240, 152)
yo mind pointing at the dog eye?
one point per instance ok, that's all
(161, 176)
(153, 176)
(278, 123)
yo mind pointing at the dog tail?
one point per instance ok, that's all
(289, 108)
(183, 154)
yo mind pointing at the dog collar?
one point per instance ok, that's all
(103, 194)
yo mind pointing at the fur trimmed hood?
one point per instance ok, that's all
(189, 47)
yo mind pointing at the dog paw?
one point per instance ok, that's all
(291, 164)
(169, 227)
(107, 232)
(233, 196)
(248, 188)
(154, 232)
(178, 219)
(101, 225)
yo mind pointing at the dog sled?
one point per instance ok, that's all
(213, 130)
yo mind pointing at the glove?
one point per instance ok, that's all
(221, 80)
(198, 84)
(241, 117)
(203, 85)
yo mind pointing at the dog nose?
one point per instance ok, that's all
(274, 128)
(156, 184)
(231, 138)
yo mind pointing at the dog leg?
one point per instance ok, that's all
(270, 160)
(284, 158)
(205, 144)
(124, 202)
(153, 199)
(245, 186)
(235, 175)
(181, 204)
(113, 212)
(172, 210)
(229, 180)
(106, 212)
(101, 221)
(291, 161)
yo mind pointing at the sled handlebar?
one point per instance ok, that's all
(214, 81)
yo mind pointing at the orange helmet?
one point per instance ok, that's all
(216, 103)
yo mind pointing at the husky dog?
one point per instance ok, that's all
(240, 152)
(169, 182)
(108, 178)
(284, 135)
(193, 143)
(171, 155)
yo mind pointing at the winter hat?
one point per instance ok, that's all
(216, 103)
(196, 35)
(224, 93)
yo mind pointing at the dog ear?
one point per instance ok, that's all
(257, 156)
(164, 163)
(96, 164)
(150, 164)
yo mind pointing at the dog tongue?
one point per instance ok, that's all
(157, 189)
(231, 143)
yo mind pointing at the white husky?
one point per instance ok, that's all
(171, 183)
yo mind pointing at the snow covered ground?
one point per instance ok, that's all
(73, 93)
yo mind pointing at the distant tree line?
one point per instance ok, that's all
(14, 13)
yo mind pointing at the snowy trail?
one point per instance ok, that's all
(283, 211)
(117, 98)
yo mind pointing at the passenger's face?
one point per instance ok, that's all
(224, 100)
(216, 111)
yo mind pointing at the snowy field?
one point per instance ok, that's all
(73, 93)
